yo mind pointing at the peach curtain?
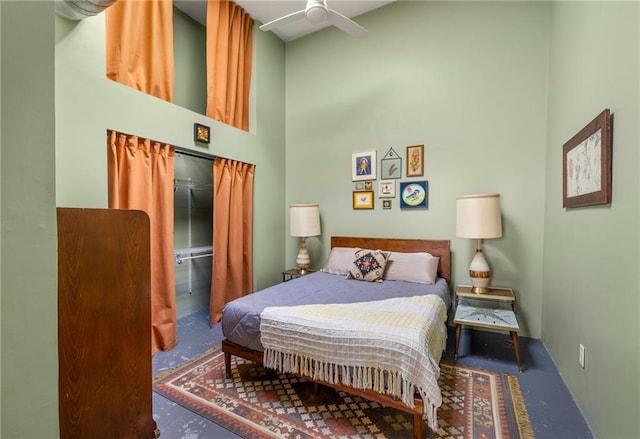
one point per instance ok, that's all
(140, 176)
(232, 234)
(140, 46)
(229, 58)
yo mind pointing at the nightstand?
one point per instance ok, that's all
(292, 273)
(495, 310)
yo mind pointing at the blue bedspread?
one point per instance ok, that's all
(241, 317)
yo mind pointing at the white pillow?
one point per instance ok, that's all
(412, 267)
(339, 260)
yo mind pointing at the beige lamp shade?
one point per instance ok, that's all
(304, 220)
(478, 216)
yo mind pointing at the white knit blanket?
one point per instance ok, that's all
(391, 346)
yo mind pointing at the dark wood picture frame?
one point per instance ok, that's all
(586, 164)
(415, 161)
(201, 133)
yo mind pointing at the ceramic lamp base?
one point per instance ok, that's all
(480, 273)
(303, 260)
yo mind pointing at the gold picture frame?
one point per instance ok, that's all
(363, 199)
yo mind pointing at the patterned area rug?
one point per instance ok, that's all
(260, 403)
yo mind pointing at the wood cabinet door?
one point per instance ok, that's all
(104, 324)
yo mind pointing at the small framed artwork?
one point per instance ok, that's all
(391, 165)
(415, 161)
(368, 185)
(414, 194)
(363, 199)
(586, 164)
(363, 166)
(386, 204)
(387, 189)
(360, 186)
(201, 133)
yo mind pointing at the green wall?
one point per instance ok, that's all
(28, 291)
(87, 104)
(466, 79)
(591, 255)
(491, 89)
(59, 159)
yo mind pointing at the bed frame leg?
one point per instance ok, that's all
(227, 364)
(417, 425)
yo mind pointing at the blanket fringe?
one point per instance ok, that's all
(359, 377)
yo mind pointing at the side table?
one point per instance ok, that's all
(495, 310)
(292, 273)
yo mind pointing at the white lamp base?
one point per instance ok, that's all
(303, 260)
(480, 273)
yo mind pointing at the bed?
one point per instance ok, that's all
(241, 318)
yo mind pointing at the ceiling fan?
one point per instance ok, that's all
(316, 12)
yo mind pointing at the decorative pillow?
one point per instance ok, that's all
(412, 267)
(368, 265)
(339, 261)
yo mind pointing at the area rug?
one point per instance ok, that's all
(260, 403)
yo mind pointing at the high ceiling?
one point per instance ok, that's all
(265, 11)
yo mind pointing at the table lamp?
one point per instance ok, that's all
(304, 221)
(478, 217)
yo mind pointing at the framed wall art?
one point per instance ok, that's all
(363, 166)
(386, 204)
(415, 161)
(391, 165)
(201, 133)
(387, 189)
(363, 199)
(586, 164)
(414, 194)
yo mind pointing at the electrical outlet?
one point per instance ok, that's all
(581, 355)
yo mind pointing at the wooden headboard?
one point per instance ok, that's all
(439, 247)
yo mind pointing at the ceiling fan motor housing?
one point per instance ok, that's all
(316, 11)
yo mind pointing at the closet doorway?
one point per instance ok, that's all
(193, 231)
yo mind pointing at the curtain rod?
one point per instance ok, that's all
(193, 153)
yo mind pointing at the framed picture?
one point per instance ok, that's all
(415, 161)
(586, 164)
(414, 194)
(360, 186)
(363, 199)
(387, 189)
(363, 166)
(386, 204)
(368, 185)
(201, 133)
(391, 165)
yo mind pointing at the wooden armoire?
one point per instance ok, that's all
(104, 324)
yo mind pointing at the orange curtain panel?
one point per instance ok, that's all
(232, 274)
(140, 175)
(229, 58)
(139, 38)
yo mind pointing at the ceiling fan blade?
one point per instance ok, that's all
(346, 24)
(283, 20)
